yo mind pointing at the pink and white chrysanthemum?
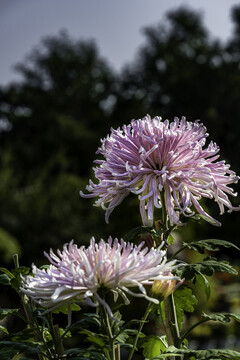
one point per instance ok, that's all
(84, 273)
(161, 161)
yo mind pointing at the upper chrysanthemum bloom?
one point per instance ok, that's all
(85, 273)
(161, 161)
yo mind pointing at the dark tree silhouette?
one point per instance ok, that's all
(52, 122)
(68, 99)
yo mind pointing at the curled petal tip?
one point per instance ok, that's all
(151, 157)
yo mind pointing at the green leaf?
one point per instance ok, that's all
(222, 317)
(17, 273)
(7, 272)
(96, 339)
(93, 338)
(206, 267)
(198, 217)
(124, 332)
(209, 244)
(119, 332)
(184, 301)
(209, 220)
(5, 279)
(122, 337)
(64, 309)
(203, 281)
(7, 354)
(170, 239)
(29, 348)
(86, 321)
(7, 312)
(153, 347)
(83, 354)
(210, 354)
(24, 335)
(2, 328)
(166, 355)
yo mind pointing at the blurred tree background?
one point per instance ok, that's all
(52, 121)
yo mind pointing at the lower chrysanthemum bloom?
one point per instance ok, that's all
(86, 273)
(162, 162)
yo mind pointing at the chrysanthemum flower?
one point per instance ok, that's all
(161, 161)
(86, 273)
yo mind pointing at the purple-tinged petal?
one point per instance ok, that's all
(150, 156)
(80, 273)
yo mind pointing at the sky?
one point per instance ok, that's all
(116, 25)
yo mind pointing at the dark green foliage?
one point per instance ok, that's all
(209, 245)
(65, 310)
(53, 121)
(197, 272)
(80, 354)
(99, 341)
(4, 279)
(57, 114)
(222, 317)
(18, 273)
(153, 346)
(86, 321)
(203, 281)
(211, 354)
(24, 335)
(184, 301)
(208, 266)
(10, 348)
(7, 312)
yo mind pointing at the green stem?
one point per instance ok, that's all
(54, 331)
(177, 252)
(59, 343)
(168, 322)
(117, 352)
(171, 323)
(168, 232)
(147, 312)
(49, 356)
(193, 327)
(161, 317)
(37, 333)
(16, 261)
(110, 335)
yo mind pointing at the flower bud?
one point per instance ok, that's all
(162, 288)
